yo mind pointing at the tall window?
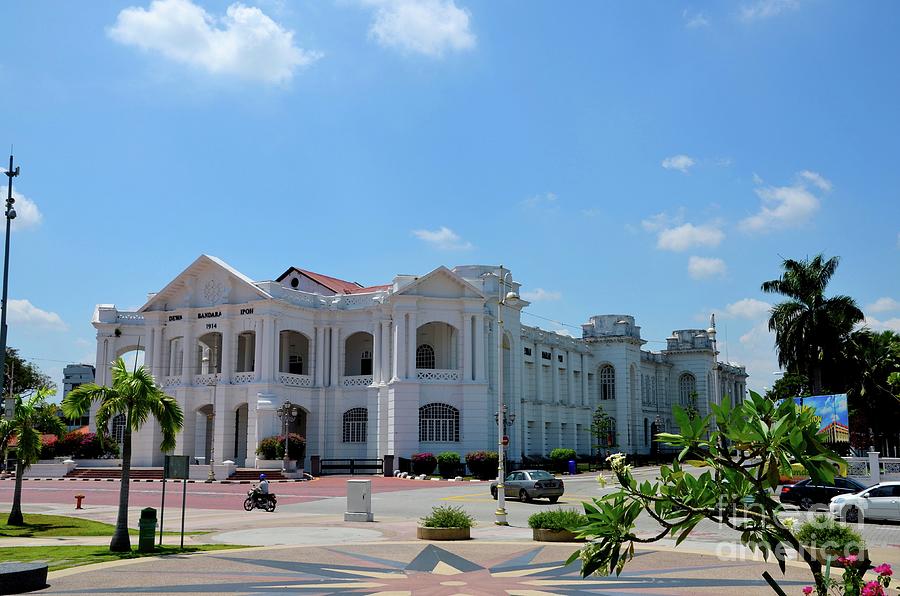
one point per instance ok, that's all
(118, 428)
(687, 385)
(355, 422)
(607, 382)
(295, 364)
(438, 423)
(646, 432)
(365, 363)
(425, 356)
(611, 433)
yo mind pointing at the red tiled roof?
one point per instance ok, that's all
(338, 286)
(370, 289)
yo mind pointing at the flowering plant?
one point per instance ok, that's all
(483, 464)
(423, 463)
(854, 583)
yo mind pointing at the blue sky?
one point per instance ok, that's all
(655, 159)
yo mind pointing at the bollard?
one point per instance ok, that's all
(572, 468)
(78, 499)
(147, 530)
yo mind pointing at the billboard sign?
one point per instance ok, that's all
(834, 422)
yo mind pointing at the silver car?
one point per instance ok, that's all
(526, 485)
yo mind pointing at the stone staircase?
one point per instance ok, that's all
(116, 473)
(253, 474)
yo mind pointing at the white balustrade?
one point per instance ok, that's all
(243, 377)
(171, 381)
(357, 381)
(437, 375)
(295, 380)
(207, 379)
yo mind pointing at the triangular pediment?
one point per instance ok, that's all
(441, 283)
(208, 281)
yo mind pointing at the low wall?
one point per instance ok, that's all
(99, 463)
(54, 470)
(222, 471)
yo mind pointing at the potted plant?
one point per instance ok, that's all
(448, 464)
(822, 537)
(446, 523)
(557, 525)
(423, 463)
(483, 464)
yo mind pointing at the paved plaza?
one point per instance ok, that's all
(306, 547)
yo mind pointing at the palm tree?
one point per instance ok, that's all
(30, 417)
(136, 395)
(810, 329)
(871, 358)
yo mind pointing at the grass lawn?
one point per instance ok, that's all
(61, 557)
(46, 526)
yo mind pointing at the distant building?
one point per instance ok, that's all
(73, 376)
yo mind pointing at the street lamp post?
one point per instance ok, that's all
(10, 215)
(288, 413)
(509, 299)
(211, 474)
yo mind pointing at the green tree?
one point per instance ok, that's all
(22, 377)
(871, 358)
(136, 395)
(770, 438)
(30, 417)
(789, 386)
(810, 329)
(603, 428)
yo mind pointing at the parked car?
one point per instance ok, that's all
(526, 485)
(881, 502)
(807, 494)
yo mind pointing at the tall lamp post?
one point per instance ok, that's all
(288, 413)
(508, 299)
(10, 215)
(211, 474)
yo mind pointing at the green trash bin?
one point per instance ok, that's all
(147, 530)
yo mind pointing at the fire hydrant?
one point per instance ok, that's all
(78, 499)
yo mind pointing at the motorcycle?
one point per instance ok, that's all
(257, 499)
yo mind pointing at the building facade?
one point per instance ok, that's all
(396, 369)
(75, 375)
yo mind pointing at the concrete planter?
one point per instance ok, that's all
(545, 535)
(98, 463)
(274, 464)
(424, 533)
(821, 555)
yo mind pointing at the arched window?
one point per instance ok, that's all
(607, 382)
(425, 356)
(687, 385)
(438, 423)
(365, 363)
(646, 432)
(118, 428)
(355, 423)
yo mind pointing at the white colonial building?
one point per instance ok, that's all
(395, 369)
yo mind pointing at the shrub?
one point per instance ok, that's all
(825, 533)
(483, 464)
(446, 516)
(423, 463)
(48, 446)
(560, 458)
(557, 519)
(82, 445)
(273, 447)
(448, 463)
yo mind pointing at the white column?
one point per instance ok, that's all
(479, 348)
(228, 359)
(335, 356)
(538, 376)
(319, 365)
(386, 351)
(570, 378)
(554, 370)
(466, 338)
(269, 345)
(149, 350)
(159, 354)
(411, 347)
(257, 352)
(376, 352)
(189, 355)
(102, 363)
(585, 400)
(221, 413)
(399, 343)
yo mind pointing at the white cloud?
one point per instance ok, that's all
(786, 206)
(27, 213)
(547, 201)
(748, 308)
(23, 312)
(688, 236)
(879, 325)
(764, 9)
(443, 239)
(592, 212)
(706, 267)
(883, 304)
(540, 294)
(244, 43)
(429, 27)
(682, 163)
(695, 20)
(817, 180)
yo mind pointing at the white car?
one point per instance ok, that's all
(881, 501)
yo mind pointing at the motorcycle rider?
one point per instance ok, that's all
(261, 490)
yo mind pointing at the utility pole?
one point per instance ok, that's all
(10, 215)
